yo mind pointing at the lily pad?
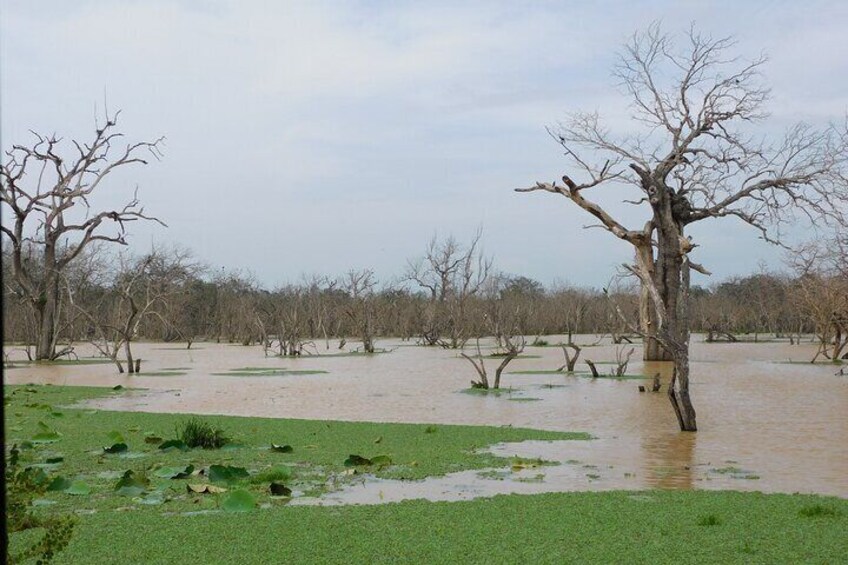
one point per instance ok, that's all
(381, 461)
(132, 484)
(116, 437)
(227, 474)
(281, 448)
(152, 499)
(356, 461)
(46, 434)
(359, 461)
(279, 489)
(173, 444)
(239, 501)
(204, 489)
(174, 472)
(78, 488)
(116, 448)
(59, 484)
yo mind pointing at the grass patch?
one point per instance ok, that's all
(267, 372)
(709, 520)
(594, 527)
(736, 473)
(489, 391)
(60, 362)
(72, 446)
(199, 433)
(815, 510)
(162, 373)
(345, 354)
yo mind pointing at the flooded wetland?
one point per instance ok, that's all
(769, 420)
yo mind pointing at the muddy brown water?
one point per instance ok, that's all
(765, 424)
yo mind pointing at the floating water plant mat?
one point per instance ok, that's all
(267, 372)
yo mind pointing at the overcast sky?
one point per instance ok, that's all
(322, 136)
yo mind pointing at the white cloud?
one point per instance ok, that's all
(372, 122)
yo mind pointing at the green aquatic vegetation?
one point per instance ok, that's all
(273, 474)
(735, 472)
(593, 527)
(60, 362)
(318, 451)
(709, 520)
(818, 509)
(267, 372)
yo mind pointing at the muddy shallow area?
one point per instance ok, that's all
(766, 422)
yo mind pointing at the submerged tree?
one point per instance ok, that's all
(694, 160)
(43, 189)
(451, 275)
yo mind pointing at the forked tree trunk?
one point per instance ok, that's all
(651, 350)
(46, 313)
(671, 280)
(678, 394)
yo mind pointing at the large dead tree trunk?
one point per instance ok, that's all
(692, 164)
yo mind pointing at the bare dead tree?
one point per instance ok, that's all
(43, 190)
(360, 287)
(621, 361)
(696, 160)
(822, 292)
(451, 275)
(570, 360)
(514, 345)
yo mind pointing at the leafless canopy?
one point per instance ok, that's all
(697, 104)
(45, 190)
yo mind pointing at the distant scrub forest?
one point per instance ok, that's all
(446, 297)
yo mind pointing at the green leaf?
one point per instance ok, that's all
(152, 499)
(174, 444)
(174, 472)
(281, 448)
(227, 474)
(59, 484)
(36, 475)
(356, 461)
(132, 484)
(116, 448)
(381, 461)
(239, 501)
(116, 437)
(204, 489)
(279, 489)
(78, 488)
(359, 461)
(46, 434)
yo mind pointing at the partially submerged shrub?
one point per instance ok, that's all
(198, 433)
